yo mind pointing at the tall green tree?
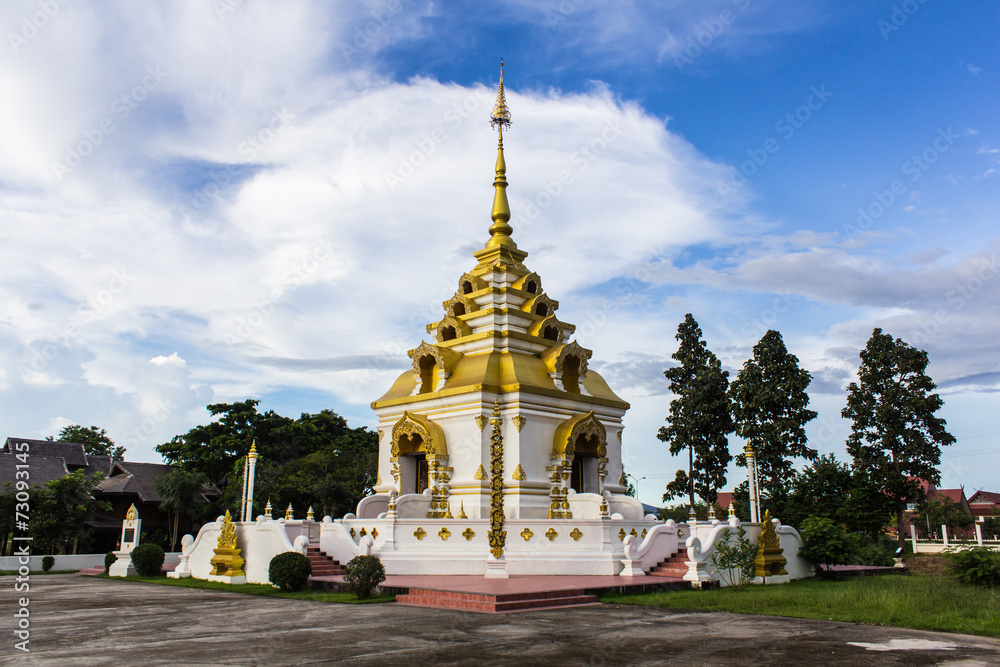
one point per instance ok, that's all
(770, 411)
(94, 440)
(896, 437)
(699, 418)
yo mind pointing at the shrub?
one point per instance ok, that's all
(735, 560)
(868, 551)
(825, 543)
(978, 566)
(148, 559)
(289, 571)
(47, 563)
(109, 559)
(363, 574)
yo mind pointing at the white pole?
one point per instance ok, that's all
(944, 533)
(913, 537)
(252, 465)
(979, 533)
(243, 502)
(752, 483)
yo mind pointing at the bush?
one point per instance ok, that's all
(47, 563)
(289, 571)
(363, 574)
(735, 560)
(978, 566)
(873, 552)
(148, 560)
(825, 543)
(109, 559)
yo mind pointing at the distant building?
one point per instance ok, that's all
(124, 483)
(984, 504)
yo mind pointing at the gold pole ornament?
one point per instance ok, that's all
(500, 231)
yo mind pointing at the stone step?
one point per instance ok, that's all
(323, 565)
(675, 566)
(505, 602)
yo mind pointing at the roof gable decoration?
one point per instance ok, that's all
(567, 365)
(583, 434)
(416, 433)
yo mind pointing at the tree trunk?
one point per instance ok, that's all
(899, 525)
(691, 473)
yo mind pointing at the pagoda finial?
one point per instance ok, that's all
(500, 231)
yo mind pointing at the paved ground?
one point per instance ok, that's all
(77, 620)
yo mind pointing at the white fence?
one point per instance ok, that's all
(947, 542)
(67, 561)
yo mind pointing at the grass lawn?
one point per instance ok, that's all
(924, 603)
(6, 573)
(257, 589)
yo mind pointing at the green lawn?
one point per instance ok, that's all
(925, 603)
(8, 573)
(256, 589)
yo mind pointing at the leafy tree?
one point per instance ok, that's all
(624, 480)
(316, 460)
(699, 418)
(895, 438)
(180, 490)
(817, 491)
(61, 509)
(95, 441)
(770, 411)
(826, 543)
(943, 511)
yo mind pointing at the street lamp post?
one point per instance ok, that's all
(628, 474)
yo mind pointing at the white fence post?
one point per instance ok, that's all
(913, 537)
(979, 533)
(944, 533)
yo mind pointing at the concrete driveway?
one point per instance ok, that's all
(77, 620)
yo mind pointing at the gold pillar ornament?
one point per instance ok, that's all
(267, 510)
(309, 513)
(288, 513)
(497, 535)
(227, 561)
(461, 510)
(770, 561)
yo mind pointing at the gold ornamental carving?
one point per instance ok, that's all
(633, 533)
(374, 533)
(519, 474)
(770, 560)
(354, 533)
(468, 534)
(551, 534)
(621, 534)
(481, 421)
(227, 561)
(444, 533)
(526, 534)
(576, 534)
(497, 534)
(481, 473)
(131, 514)
(519, 422)
(643, 535)
(419, 533)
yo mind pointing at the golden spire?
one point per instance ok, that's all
(500, 231)
(253, 449)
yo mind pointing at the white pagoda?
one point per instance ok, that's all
(500, 449)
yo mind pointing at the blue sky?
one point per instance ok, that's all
(204, 202)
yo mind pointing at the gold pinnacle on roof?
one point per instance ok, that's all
(253, 449)
(500, 231)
